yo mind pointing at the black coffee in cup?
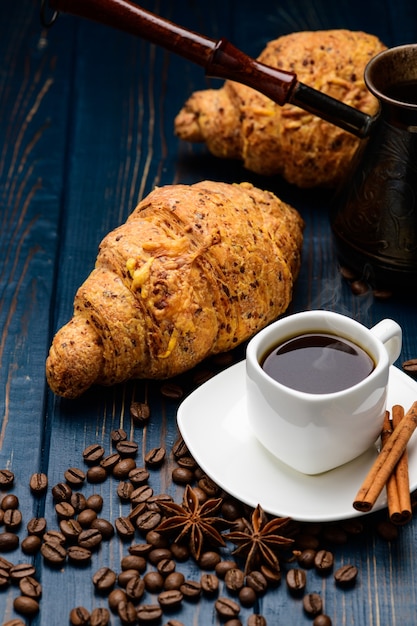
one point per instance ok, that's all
(318, 363)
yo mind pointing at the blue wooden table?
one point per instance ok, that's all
(86, 130)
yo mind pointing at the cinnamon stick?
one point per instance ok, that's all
(398, 485)
(386, 461)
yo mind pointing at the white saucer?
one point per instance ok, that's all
(215, 428)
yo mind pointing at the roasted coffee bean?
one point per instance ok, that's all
(79, 555)
(118, 434)
(140, 549)
(116, 596)
(105, 527)
(153, 503)
(231, 510)
(155, 457)
(180, 552)
(346, 575)
(223, 566)
(36, 526)
(53, 552)
(209, 583)
(110, 461)
(64, 510)
(8, 541)
(172, 391)
(191, 589)
(256, 620)
(95, 502)
(138, 476)
(96, 475)
(137, 511)
(353, 526)
(127, 612)
(135, 588)
(322, 620)
(79, 616)
(174, 622)
(126, 575)
(306, 541)
(29, 586)
(182, 475)
(148, 521)
(170, 598)
(156, 540)
(148, 613)
(127, 448)
(226, 607)
(86, 518)
(247, 596)
(140, 413)
(123, 467)
(234, 579)
(209, 486)
(124, 528)
(174, 580)
(93, 453)
(74, 476)
(166, 567)
(26, 606)
(208, 560)
(305, 558)
(187, 462)
(154, 582)
(4, 577)
(70, 528)
(312, 604)
(179, 448)
(104, 579)
(257, 581)
(124, 490)
(61, 492)
(410, 366)
(335, 534)
(21, 570)
(323, 562)
(12, 519)
(78, 501)
(54, 536)
(38, 483)
(99, 617)
(11, 501)
(89, 538)
(296, 581)
(131, 561)
(386, 530)
(141, 494)
(31, 544)
(6, 479)
(157, 554)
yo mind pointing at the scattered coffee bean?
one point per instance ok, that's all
(257, 581)
(70, 528)
(155, 457)
(61, 492)
(312, 604)
(123, 467)
(323, 562)
(174, 622)
(105, 527)
(78, 501)
(166, 567)
(21, 570)
(53, 552)
(135, 588)
(29, 586)
(322, 620)
(95, 502)
(86, 517)
(133, 561)
(154, 582)
(36, 526)
(256, 620)
(170, 598)
(172, 391)
(306, 558)
(182, 475)
(247, 596)
(127, 448)
(140, 413)
(138, 476)
(38, 483)
(234, 579)
(208, 560)
(31, 544)
(296, 581)
(6, 479)
(89, 538)
(8, 541)
(93, 453)
(141, 494)
(116, 596)
(346, 575)
(386, 530)
(11, 501)
(179, 448)
(125, 576)
(226, 607)
(104, 579)
(127, 612)
(74, 476)
(124, 528)
(79, 616)
(99, 617)
(174, 580)
(109, 462)
(148, 613)
(191, 589)
(54, 536)
(96, 475)
(223, 566)
(26, 606)
(12, 519)
(78, 555)
(64, 510)
(410, 366)
(148, 520)
(158, 554)
(118, 434)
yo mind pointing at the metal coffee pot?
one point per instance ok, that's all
(374, 216)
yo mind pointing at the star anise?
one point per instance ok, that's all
(194, 522)
(259, 542)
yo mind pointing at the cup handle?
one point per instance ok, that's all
(390, 333)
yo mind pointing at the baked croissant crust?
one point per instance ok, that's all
(194, 271)
(237, 122)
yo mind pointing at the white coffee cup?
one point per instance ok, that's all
(316, 432)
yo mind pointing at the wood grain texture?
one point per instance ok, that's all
(86, 130)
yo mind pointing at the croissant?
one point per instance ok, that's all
(237, 122)
(194, 271)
